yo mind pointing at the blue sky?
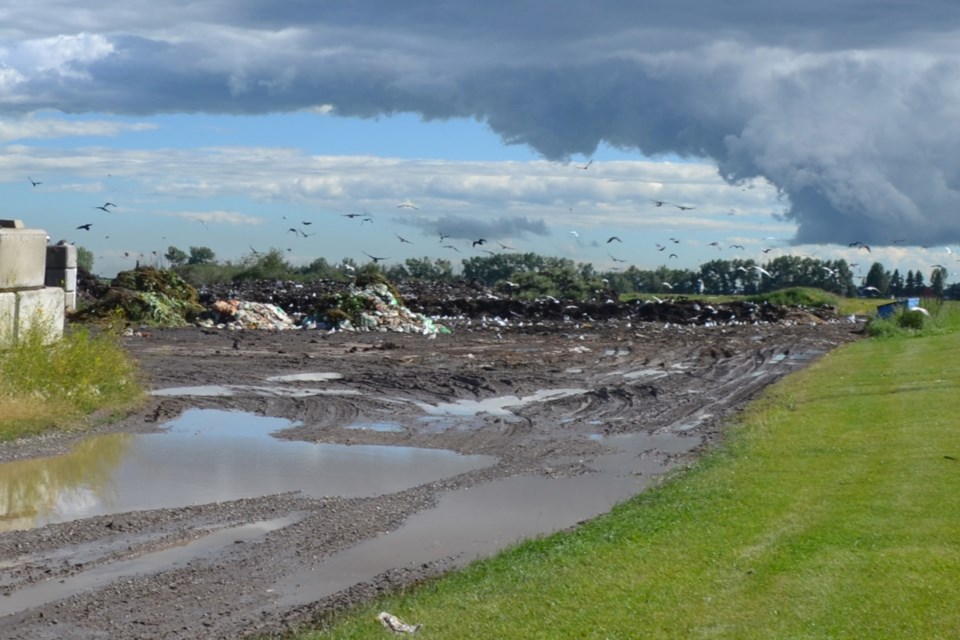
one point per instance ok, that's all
(227, 124)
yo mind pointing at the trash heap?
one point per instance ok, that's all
(242, 314)
(147, 296)
(372, 307)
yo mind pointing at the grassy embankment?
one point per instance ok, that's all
(832, 511)
(65, 384)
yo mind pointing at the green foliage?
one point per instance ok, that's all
(201, 255)
(796, 296)
(176, 256)
(55, 385)
(944, 318)
(85, 259)
(266, 266)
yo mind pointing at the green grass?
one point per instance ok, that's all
(832, 511)
(61, 385)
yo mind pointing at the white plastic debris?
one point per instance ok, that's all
(395, 624)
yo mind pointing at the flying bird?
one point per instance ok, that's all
(762, 270)
(667, 285)
(737, 246)
(586, 166)
(505, 247)
(293, 230)
(660, 247)
(103, 208)
(684, 207)
(615, 259)
(305, 234)
(674, 241)
(715, 244)
(406, 204)
(575, 234)
(86, 227)
(659, 203)
(351, 215)
(612, 238)
(673, 255)
(443, 236)
(109, 204)
(402, 239)
(34, 182)
(479, 241)
(374, 258)
(367, 219)
(450, 246)
(306, 222)
(254, 251)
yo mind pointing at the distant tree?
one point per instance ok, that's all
(918, 284)
(896, 283)
(938, 280)
(878, 277)
(85, 259)
(201, 255)
(176, 256)
(910, 284)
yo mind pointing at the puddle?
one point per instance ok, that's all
(380, 427)
(480, 521)
(168, 559)
(495, 406)
(206, 391)
(306, 377)
(207, 456)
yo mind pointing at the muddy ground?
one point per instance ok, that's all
(631, 377)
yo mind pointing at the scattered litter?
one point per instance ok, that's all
(374, 307)
(395, 624)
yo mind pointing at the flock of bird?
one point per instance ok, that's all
(367, 218)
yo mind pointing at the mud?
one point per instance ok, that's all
(549, 403)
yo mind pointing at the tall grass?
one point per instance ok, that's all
(56, 385)
(832, 511)
(941, 317)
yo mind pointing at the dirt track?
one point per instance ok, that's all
(679, 380)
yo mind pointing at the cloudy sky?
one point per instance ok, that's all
(541, 125)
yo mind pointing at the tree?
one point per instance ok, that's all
(201, 255)
(176, 256)
(938, 281)
(878, 277)
(85, 259)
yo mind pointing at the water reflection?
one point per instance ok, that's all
(207, 456)
(32, 489)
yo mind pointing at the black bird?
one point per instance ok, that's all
(612, 238)
(586, 166)
(367, 219)
(34, 182)
(305, 234)
(109, 204)
(402, 239)
(615, 259)
(443, 236)
(660, 247)
(736, 246)
(450, 246)
(293, 230)
(479, 241)
(684, 207)
(673, 255)
(659, 203)
(103, 208)
(351, 215)
(374, 258)
(254, 251)
(86, 227)
(306, 223)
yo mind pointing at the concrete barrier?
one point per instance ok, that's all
(27, 303)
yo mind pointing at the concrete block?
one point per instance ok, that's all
(23, 258)
(70, 300)
(12, 224)
(61, 256)
(41, 309)
(66, 279)
(8, 318)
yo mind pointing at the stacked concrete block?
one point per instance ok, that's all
(62, 272)
(25, 302)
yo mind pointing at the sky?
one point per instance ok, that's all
(764, 128)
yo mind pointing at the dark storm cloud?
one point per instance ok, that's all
(471, 228)
(847, 106)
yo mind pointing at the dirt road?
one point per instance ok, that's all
(544, 404)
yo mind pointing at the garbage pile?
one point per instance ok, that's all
(146, 296)
(372, 307)
(242, 314)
